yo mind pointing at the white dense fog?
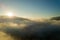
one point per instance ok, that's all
(30, 30)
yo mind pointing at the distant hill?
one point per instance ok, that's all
(18, 20)
(55, 18)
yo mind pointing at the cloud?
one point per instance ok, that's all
(45, 30)
(4, 36)
(25, 29)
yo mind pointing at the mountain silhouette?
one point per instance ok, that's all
(15, 19)
(55, 18)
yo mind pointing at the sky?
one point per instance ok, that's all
(31, 8)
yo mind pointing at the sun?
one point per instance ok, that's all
(10, 14)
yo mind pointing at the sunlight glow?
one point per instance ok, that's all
(10, 14)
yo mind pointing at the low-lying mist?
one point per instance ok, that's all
(36, 30)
